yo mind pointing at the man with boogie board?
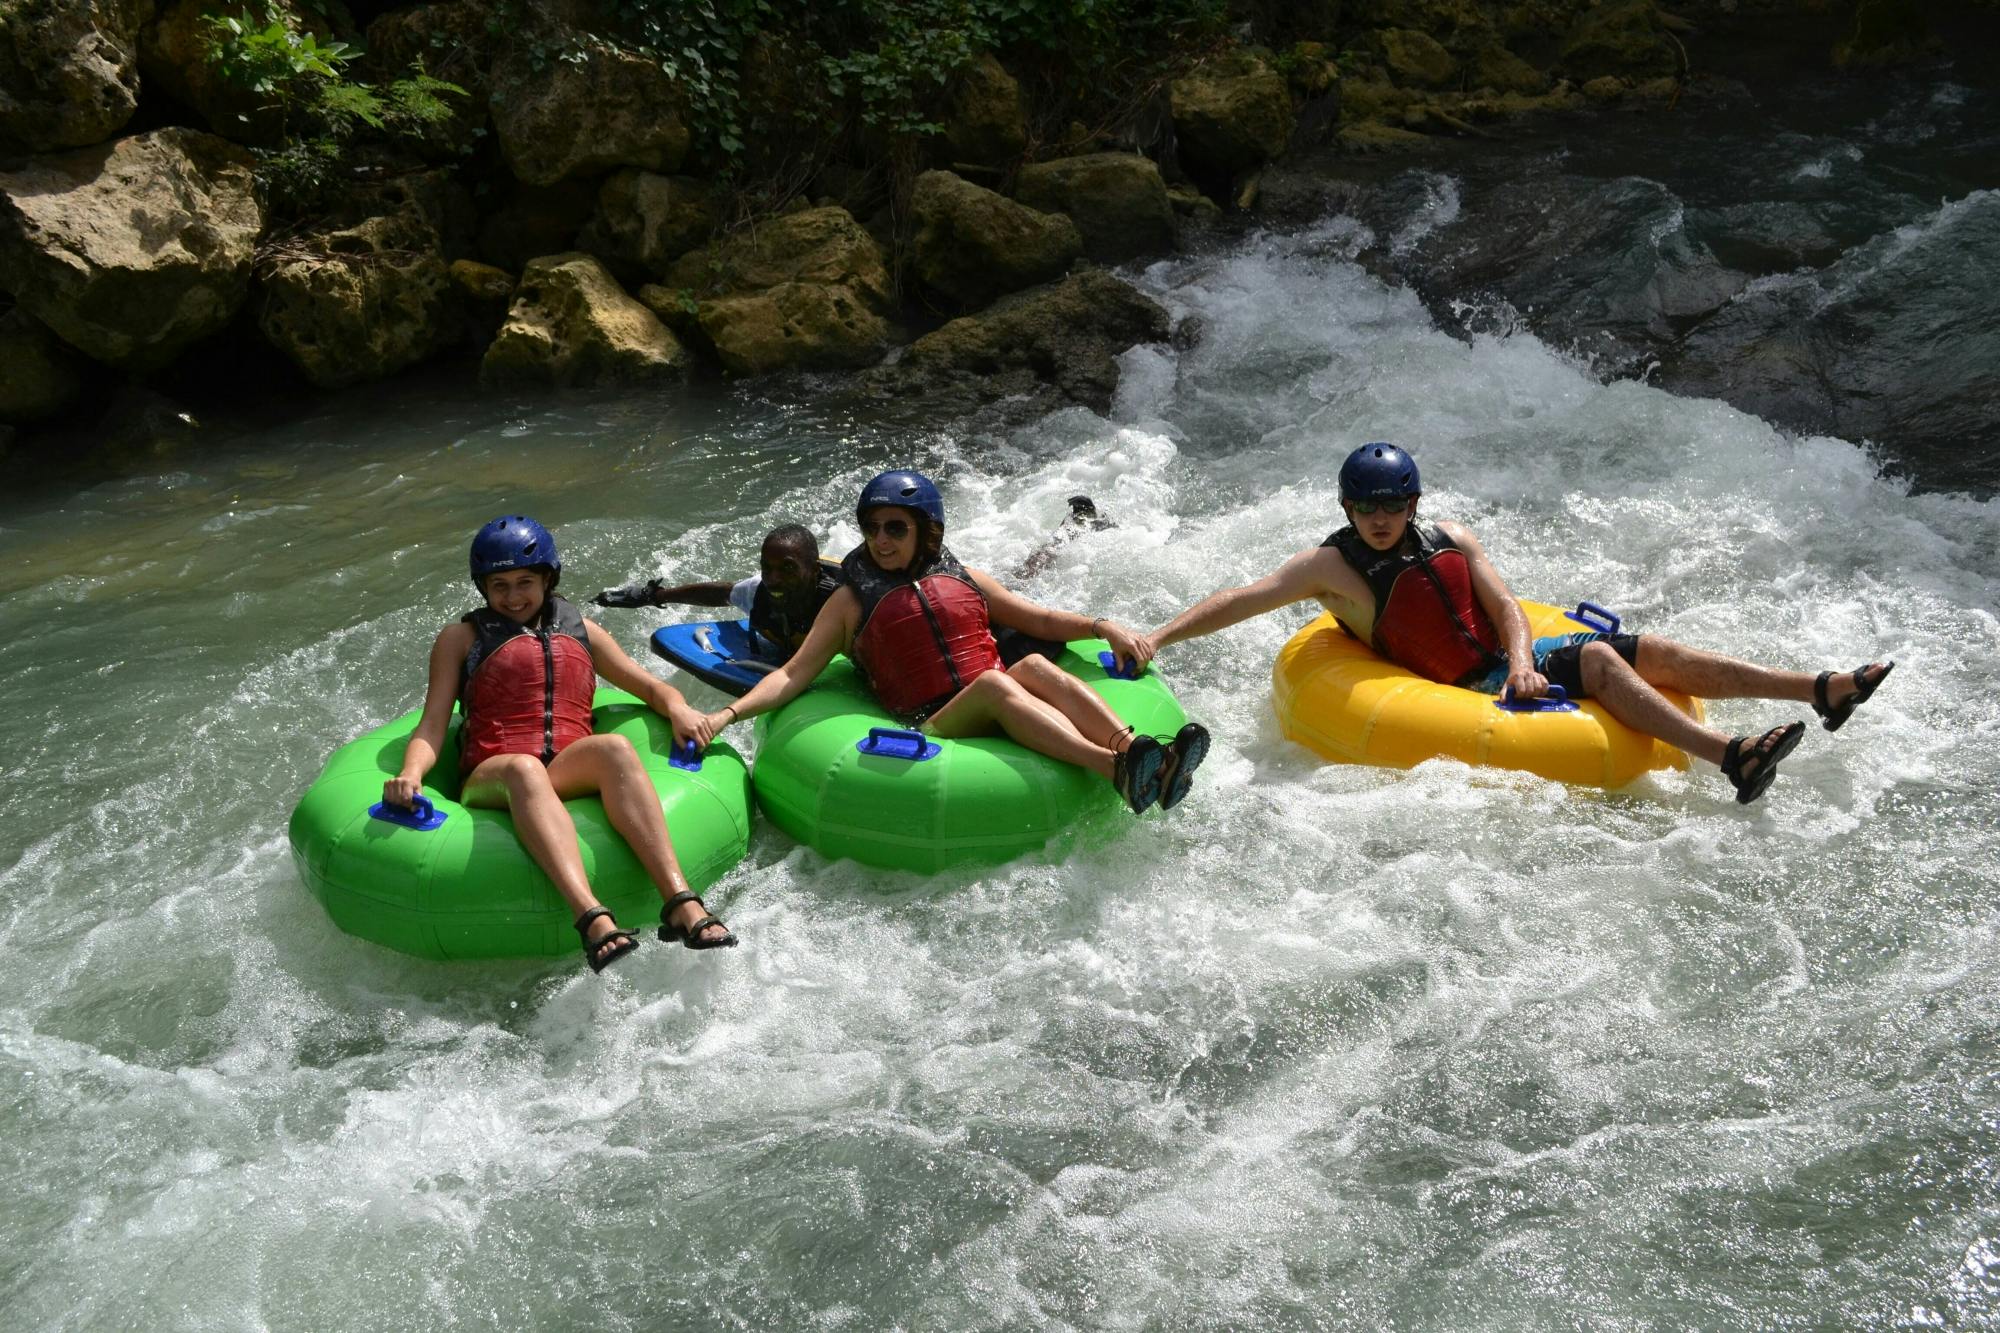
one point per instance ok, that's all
(1430, 601)
(791, 584)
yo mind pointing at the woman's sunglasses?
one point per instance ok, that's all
(895, 529)
(1395, 506)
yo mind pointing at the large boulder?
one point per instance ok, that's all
(1231, 119)
(645, 221)
(971, 245)
(986, 121)
(358, 303)
(1064, 337)
(1415, 59)
(611, 108)
(69, 71)
(572, 324)
(133, 249)
(1117, 200)
(449, 39)
(39, 377)
(1620, 39)
(805, 291)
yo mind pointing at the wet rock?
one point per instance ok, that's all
(449, 39)
(1604, 88)
(645, 221)
(484, 294)
(1607, 267)
(572, 324)
(1895, 343)
(1621, 38)
(612, 108)
(971, 245)
(1415, 59)
(358, 303)
(69, 71)
(535, 221)
(1063, 338)
(133, 249)
(986, 121)
(1117, 200)
(39, 377)
(139, 422)
(817, 245)
(1229, 120)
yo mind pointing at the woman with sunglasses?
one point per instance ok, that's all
(1429, 600)
(919, 626)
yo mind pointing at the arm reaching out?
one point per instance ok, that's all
(616, 666)
(1298, 578)
(831, 630)
(1014, 611)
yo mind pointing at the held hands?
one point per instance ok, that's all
(1137, 649)
(402, 792)
(687, 726)
(708, 726)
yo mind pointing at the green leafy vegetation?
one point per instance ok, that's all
(318, 113)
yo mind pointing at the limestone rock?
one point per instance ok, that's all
(1064, 336)
(69, 71)
(1231, 121)
(173, 57)
(1416, 59)
(1621, 38)
(645, 221)
(39, 377)
(133, 249)
(613, 109)
(972, 245)
(1117, 200)
(1495, 67)
(818, 245)
(358, 303)
(450, 39)
(572, 324)
(987, 121)
(794, 326)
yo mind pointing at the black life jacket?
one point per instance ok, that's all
(786, 627)
(1427, 616)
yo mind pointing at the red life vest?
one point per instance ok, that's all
(1427, 617)
(526, 689)
(921, 640)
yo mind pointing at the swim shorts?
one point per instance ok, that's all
(1560, 658)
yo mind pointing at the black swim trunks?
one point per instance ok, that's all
(1560, 658)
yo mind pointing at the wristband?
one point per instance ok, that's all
(731, 710)
(1094, 623)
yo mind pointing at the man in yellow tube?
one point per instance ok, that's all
(1430, 601)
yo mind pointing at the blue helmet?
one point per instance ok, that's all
(514, 541)
(1377, 471)
(905, 489)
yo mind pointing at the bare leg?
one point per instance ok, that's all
(608, 767)
(1087, 712)
(1675, 666)
(1628, 696)
(998, 700)
(518, 784)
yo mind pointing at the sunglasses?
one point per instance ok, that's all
(1395, 506)
(895, 529)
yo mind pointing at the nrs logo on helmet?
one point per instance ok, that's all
(1379, 471)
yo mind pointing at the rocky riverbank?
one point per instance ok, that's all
(569, 219)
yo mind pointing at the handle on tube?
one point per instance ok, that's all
(423, 816)
(1557, 700)
(1592, 616)
(897, 743)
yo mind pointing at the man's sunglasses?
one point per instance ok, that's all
(1395, 506)
(895, 529)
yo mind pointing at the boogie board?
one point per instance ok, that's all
(720, 654)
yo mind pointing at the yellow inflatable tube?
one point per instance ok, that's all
(1337, 698)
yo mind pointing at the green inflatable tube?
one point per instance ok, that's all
(467, 888)
(978, 801)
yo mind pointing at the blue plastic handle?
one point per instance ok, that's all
(423, 818)
(1114, 667)
(1592, 616)
(896, 743)
(1555, 701)
(684, 757)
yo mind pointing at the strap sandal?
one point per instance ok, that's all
(1765, 753)
(1184, 755)
(1865, 686)
(691, 936)
(622, 942)
(1135, 772)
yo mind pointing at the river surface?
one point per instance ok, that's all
(1328, 1047)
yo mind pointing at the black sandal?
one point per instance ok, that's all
(1135, 772)
(1765, 754)
(1184, 756)
(622, 941)
(691, 936)
(1864, 688)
